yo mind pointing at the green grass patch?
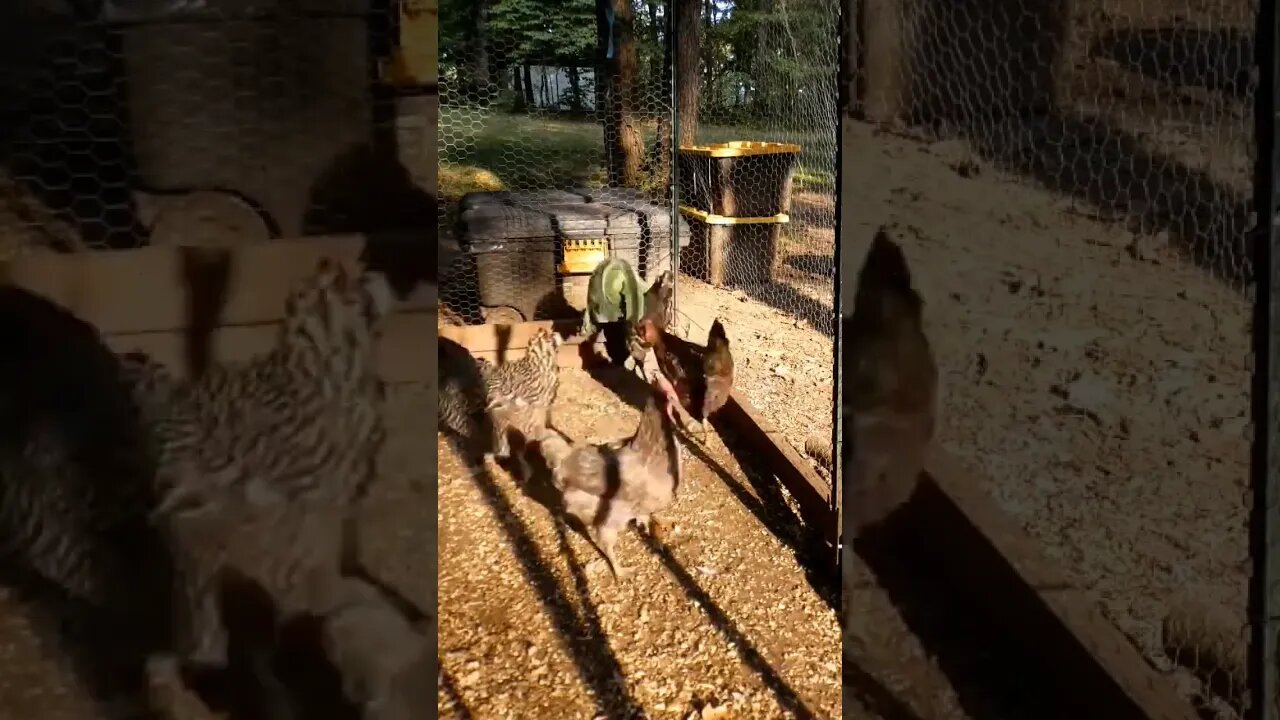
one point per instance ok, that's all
(492, 151)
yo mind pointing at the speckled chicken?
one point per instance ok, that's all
(698, 379)
(606, 486)
(462, 396)
(530, 382)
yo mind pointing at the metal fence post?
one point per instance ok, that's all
(673, 37)
(1264, 598)
(846, 79)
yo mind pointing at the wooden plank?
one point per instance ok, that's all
(404, 351)
(811, 492)
(145, 290)
(574, 356)
(991, 556)
(516, 336)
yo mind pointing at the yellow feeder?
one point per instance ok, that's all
(582, 256)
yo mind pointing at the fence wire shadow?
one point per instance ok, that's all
(450, 689)
(582, 635)
(767, 503)
(782, 296)
(1218, 59)
(1051, 122)
(1153, 192)
(539, 488)
(723, 624)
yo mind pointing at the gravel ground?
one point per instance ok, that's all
(718, 619)
(1095, 377)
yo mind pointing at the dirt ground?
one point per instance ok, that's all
(718, 620)
(1096, 378)
(398, 547)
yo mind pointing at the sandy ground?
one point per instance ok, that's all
(1096, 378)
(398, 547)
(719, 617)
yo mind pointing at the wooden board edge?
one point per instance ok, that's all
(146, 289)
(492, 337)
(812, 493)
(994, 556)
(404, 355)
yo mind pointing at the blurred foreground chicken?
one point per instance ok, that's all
(892, 386)
(697, 379)
(606, 486)
(890, 410)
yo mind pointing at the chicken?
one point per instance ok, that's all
(657, 305)
(892, 388)
(614, 303)
(606, 486)
(697, 379)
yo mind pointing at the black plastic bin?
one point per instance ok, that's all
(741, 179)
(516, 243)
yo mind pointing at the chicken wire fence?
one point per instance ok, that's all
(548, 148)
(1073, 182)
(556, 142)
(134, 122)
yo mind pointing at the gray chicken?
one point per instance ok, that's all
(606, 486)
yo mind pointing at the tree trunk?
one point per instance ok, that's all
(656, 39)
(624, 149)
(528, 86)
(689, 65)
(518, 88)
(480, 76)
(660, 158)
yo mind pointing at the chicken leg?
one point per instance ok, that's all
(604, 537)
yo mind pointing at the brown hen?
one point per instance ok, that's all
(698, 379)
(657, 304)
(891, 398)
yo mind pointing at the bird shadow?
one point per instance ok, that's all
(747, 652)
(581, 633)
(313, 685)
(539, 488)
(984, 665)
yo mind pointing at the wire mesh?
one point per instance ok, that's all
(758, 133)
(570, 143)
(1072, 182)
(128, 122)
